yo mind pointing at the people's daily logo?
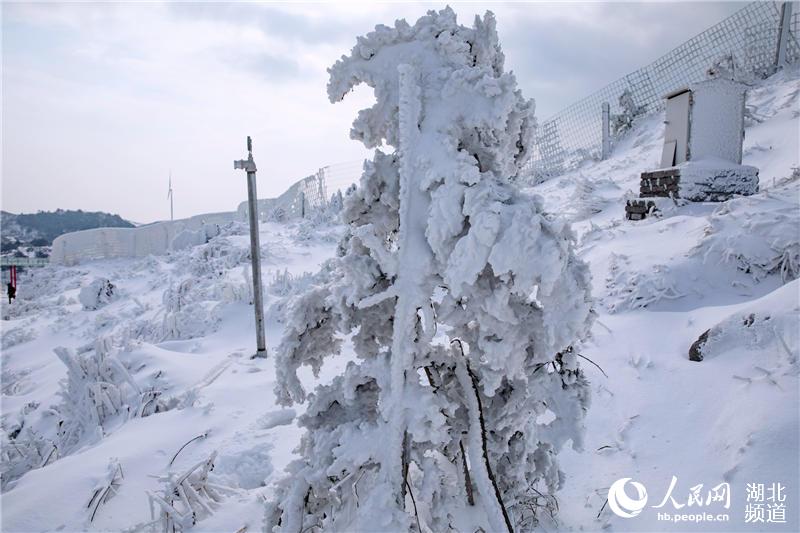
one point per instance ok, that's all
(623, 505)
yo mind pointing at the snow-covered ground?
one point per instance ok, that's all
(182, 325)
(660, 283)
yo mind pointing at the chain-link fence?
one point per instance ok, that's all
(309, 194)
(748, 39)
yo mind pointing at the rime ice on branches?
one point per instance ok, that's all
(464, 300)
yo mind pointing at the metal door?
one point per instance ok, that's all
(676, 131)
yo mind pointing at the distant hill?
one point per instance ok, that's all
(39, 229)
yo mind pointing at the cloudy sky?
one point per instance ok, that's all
(100, 101)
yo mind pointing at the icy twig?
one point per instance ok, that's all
(107, 490)
(469, 381)
(201, 436)
(596, 321)
(414, 503)
(467, 479)
(601, 509)
(595, 364)
(782, 342)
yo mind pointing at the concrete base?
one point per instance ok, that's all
(716, 181)
(708, 180)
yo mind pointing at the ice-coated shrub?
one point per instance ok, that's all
(98, 389)
(757, 235)
(462, 298)
(97, 294)
(186, 498)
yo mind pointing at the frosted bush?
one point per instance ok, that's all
(215, 258)
(628, 290)
(186, 498)
(336, 204)
(321, 224)
(22, 450)
(97, 391)
(285, 283)
(14, 336)
(98, 293)
(623, 122)
(587, 200)
(97, 394)
(758, 235)
(188, 311)
(463, 301)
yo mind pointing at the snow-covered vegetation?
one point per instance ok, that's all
(466, 306)
(425, 351)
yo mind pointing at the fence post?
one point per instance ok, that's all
(606, 149)
(783, 34)
(323, 193)
(302, 204)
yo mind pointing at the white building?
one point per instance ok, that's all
(704, 122)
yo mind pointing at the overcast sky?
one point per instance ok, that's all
(100, 101)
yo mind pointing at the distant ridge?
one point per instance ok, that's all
(39, 229)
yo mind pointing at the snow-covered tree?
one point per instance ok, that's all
(463, 298)
(629, 110)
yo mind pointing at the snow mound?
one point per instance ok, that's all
(767, 329)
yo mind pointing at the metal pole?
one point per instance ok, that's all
(171, 211)
(250, 166)
(783, 34)
(606, 149)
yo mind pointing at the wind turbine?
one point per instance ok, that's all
(169, 195)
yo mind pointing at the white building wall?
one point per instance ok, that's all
(152, 239)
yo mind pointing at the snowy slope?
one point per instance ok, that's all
(660, 283)
(182, 324)
(198, 356)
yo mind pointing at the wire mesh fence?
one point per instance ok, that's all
(312, 193)
(748, 39)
